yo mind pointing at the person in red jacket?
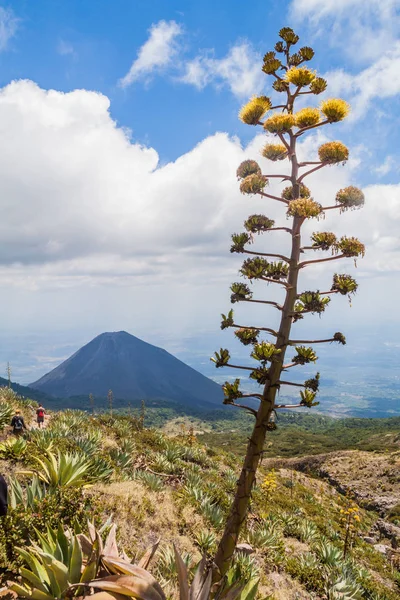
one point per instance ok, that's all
(40, 416)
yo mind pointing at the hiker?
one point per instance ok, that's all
(40, 416)
(18, 423)
(3, 497)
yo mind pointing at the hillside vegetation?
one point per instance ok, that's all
(89, 494)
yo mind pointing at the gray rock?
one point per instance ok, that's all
(381, 548)
(244, 549)
(369, 540)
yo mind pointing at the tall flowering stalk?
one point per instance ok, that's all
(269, 346)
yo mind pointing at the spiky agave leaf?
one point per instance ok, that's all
(274, 152)
(333, 153)
(265, 352)
(246, 168)
(308, 398)
(323, 240)
(144, 587)
(240, 291)
(289, 194)
(258, 223)
(306, 117)
(350, 198)
(247, 336)
(254, 268)
(304, 355)
(221, 358)
(239, 240)
(254, 110)
(306, 208)
(231, 390)
(227, 320)
(313, 302)
(253, 184)
(300, 76)
(335, 109)
(279, 123)
(344, 284)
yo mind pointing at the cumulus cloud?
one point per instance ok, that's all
(85, 207)
(239, 70)
(8, 27)
(380, 80)
(156, 54)
(362, 28)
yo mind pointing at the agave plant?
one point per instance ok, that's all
(341, 588)
(153, 482)
(63, 564)
(268, 536)
(66, 470)
(34, 492)
(329, 554)
(86, 444)
(307, 531)
(13, 448)
(99, 469)
(212, 512)
(43, 439)
(230, 588)
(205, 540)
(6, 411)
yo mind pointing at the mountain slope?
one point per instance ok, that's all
(25, 392)
(133, 369)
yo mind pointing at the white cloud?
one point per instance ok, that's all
(380, 80)
(362, 28)
(8, 27)
(95, 228)
(389, 165)
(157, 52)
(239, 70)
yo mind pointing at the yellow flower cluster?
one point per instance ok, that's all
(269, 483)
(335, 109)
(300, 76)
(274, 151)
(350, 515)
(253, 184)
(254, 110)
(304, 207)
(279, 123)
(306, 117)
(333, 153)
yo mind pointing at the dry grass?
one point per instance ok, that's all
(282, 587)
(143, 516)
(373, 479)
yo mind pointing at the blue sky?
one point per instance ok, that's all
(120, 141)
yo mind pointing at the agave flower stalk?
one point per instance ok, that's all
(292, 79)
